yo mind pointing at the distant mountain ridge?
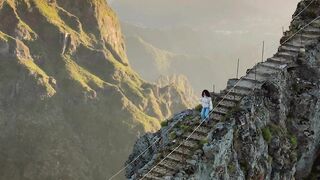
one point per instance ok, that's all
(152, 62)
(70, 104)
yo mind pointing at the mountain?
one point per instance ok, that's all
(151, 63)
(71, 106)
(265, 125)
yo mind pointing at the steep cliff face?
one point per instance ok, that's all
(67, 91)
(265, 125)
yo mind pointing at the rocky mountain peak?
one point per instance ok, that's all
(67, 91)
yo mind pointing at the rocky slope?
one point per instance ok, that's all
(67, 92)
(265, 125)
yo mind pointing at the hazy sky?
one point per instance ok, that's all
(231, 28)
(164, 13)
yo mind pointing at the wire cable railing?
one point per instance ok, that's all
(293, 18)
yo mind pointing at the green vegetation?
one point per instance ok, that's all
(294, 141)
(51, 13)
(164, 123)
(277, 130)
(231, 168)
(190, 117)
(266, 133)
(172, 135)
(185, 128)
(270, 159)
(81, 75)
(244, 167)
(198, 108)
(203, 142)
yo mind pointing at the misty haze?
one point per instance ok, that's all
(201, 39)
(151, 89)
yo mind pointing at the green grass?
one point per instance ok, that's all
(42, 76)
(198, 108)
(277, 130)
(203, 142)
(244, 167)
(164, 123)
(172, 135)
(51, 13)
(81, 75)
(294, 141)
(266, 133)
(231, 168)
(185, 128)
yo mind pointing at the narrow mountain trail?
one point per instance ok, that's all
(179, 154)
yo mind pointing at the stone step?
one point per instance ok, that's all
(216, 117)
(162, 171)
(307, 36)
(288, 48)
(175, 156)
(279, 66)
(203, 130)
(303, 40)
(190, 144)
(169, 164)
(238, 91)
(245, 83)
(227, 103)
(182, 150)
(217, 111)
(152, 177)
(221, 110)
(195, 136)
(272, 65)
(174, 163)
(312, 30)
(293, 45)
(259, 77)
(253, 79)
(286, 55)
(228, 97)
(297, 42)
(265, 70)
(278, 60)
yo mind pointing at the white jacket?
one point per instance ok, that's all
(206, 102)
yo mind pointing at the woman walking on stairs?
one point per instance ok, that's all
(206, 102)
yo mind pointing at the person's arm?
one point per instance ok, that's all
(211, 106)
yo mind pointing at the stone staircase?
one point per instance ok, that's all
(229, 98)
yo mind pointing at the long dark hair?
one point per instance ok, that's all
(205, 92)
